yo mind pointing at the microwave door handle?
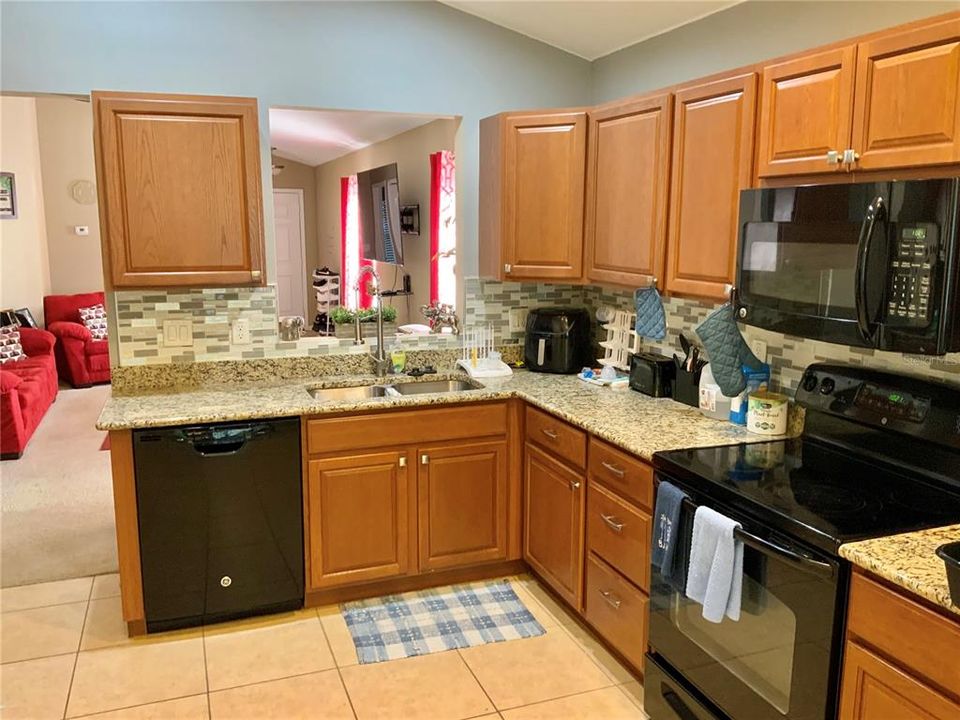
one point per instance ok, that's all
(874, 210)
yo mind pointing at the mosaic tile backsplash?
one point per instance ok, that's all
(140, 317)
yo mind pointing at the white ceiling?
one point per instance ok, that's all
(590, 29)
(314, 137)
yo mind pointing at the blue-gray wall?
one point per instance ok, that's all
(419, 57)
(744, 34)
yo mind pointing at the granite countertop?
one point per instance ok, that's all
(639, 424)
(910, 561)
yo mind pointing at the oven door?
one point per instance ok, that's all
(781, 659)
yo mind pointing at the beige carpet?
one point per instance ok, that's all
(57, 500)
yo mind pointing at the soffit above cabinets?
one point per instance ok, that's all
(314, 137)
(590, 29)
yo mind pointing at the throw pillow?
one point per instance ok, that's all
(10, 348)
(95, 319)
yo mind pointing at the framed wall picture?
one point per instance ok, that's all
(8, 196)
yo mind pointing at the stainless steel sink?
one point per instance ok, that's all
(356, 392)
(434, 386)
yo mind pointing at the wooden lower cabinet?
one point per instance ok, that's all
(462, 504)
(617, 610)
(553, 523)
(875, 689)
(360, 513)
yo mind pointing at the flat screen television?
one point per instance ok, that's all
(379, 196)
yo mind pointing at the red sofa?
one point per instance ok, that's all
(27, 389)
(81, 360)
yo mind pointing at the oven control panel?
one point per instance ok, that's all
(912, 275)
(892, 402)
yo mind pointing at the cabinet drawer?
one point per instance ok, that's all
(619, 533)
(617, 610)
(905, 631)
(560, 438)
(628, 476)
(405, 427)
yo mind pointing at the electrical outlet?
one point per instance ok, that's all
(178, 333)
(759, 348)
(240, 332)
(518, 319)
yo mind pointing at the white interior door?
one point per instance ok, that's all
(291, 263)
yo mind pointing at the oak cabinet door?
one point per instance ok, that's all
(359, 518)
(907, 110)
(874, 689)
(462, 501)
(544, 160)
(712, 162)
(628, 181)
(553, 523)
(806, 111)
(180, 189)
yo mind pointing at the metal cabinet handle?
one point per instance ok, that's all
(833, 157)
(613, 468)
(549, 433)
(850, 156)
(424, 459)
(507, 267)
(574, 485)
(255, 274)
(612, 523)
(612, 600)
(402, 462)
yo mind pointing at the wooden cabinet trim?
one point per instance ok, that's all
(840, 63)
(940, 147)
(653, 179)
(740, 89)
(108, 108)
(127, 528)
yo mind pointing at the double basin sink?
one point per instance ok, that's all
(368, 392)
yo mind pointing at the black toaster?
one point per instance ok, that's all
(652, 374)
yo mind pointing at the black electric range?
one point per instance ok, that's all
(879, 455)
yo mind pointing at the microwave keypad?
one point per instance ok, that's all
(911, 273)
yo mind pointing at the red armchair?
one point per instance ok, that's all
(27, 389)
(81, 360)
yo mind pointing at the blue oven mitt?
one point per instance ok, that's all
(651, 320)
(726, 349)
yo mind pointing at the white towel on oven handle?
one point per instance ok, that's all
(715, 575)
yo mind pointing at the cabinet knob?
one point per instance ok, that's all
(507, 267)
(424, 459)
(255, 274)
(850, 156)
(833, 157)
(574, 485)
(402, 462)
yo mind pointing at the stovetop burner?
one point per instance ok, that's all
(827, 500)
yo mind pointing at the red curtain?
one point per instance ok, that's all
(436, 169)
(350, 260)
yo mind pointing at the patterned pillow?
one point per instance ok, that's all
(95, 318)
(10, 348)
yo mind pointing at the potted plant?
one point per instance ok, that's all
(343, 320)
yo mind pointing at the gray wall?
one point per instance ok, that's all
(395, 56)
(744, 34)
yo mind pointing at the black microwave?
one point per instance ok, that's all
(872, 265)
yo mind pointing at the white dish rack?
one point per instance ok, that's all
(479, 356)
(622, 341)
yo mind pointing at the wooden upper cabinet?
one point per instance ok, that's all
(462, 498)
(361, 515)
(628, 180)
(531, 195)
(806, 110)
(907, 110)
(712, 161)
(180, 189)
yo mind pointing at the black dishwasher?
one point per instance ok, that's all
(221, 521)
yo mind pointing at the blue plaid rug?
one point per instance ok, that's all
(429, 621)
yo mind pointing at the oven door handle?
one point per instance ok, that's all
(676, 703)
(875, 211)
(802, 562)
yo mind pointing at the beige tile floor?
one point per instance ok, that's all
(65, 654)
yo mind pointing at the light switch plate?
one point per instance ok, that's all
(240, 331)
(518, 319)
(178, 333)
